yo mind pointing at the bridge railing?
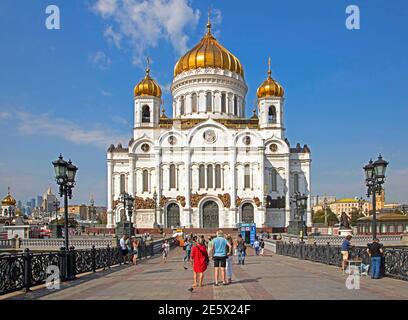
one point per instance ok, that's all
(28, 269)
(395, 258)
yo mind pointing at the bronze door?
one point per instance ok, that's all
(247, 213)
(173, 215)
(210, 215)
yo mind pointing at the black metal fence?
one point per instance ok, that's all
(25, 270)
(395, 259)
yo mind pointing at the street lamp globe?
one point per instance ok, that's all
(369, 171)
(71, 172)
(380, 165)
(60, 168)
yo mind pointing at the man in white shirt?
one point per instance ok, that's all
(123, 248)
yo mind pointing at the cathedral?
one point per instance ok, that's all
(208, 165)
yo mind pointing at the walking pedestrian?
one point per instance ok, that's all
(241, 247)
(262, 246)
(165, 250)
(187, 247)
(135, 250)
(345, 251)
(230, 251)
(219, 254)
(199, 261)
(375, 251)
(256, 246)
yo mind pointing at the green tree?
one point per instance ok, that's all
(318, 217)
(355, 215)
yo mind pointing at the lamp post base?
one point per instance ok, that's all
(125, 228)
(296, 227)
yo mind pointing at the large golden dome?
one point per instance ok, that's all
(147, 87)
(8, 200)
(208, 53)
(270, 87)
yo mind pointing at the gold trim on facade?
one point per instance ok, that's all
(168, 123)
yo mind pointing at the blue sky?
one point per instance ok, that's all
(70, 90)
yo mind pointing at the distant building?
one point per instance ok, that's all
(347, 205)
(39, 201)
(8, 206)
(387, 223)
(319, 200)
(32, 205)
(48, 201)
(79, 212)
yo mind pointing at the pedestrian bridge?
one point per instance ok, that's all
(266, 277)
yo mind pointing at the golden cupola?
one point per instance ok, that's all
(270, 87)
(208, 53)
(147, 87)
(8, 200)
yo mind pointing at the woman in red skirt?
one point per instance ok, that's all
(199, 261)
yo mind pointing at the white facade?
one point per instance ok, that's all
(240, 161)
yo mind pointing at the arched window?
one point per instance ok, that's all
(145, 114)
(201, 176)
(223, 102)
(209, 101)
(274, 184)
(218, 176)
(247, 176)
(145, 181)
(235, 105)
(296, 182)
(272, 114)
(210, 176)
(172, 176)
(181, 105)
(122, 183)
(194, 102)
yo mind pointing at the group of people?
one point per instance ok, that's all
(375, 251)
(220, 249)
(129, 247)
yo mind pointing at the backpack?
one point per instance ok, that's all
(241, 246)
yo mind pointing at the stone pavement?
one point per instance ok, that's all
(264, 278)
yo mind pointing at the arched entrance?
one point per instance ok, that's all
(173, 215)
(247, 213)
(210, 215)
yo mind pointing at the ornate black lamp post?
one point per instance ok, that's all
(375, 177)
(92, 211)
(127, 201)
(56, 205)
(65, 176)
(301, 203)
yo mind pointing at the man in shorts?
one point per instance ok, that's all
(345, 248)
(219, 253)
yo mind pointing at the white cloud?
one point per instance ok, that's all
(144, 23)
(100, 136)
(4, 115)
(106, 93)
(101, 60)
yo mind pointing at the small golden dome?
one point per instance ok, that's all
(147, 87)
(8, 200)
(270, 87)
(208, 53)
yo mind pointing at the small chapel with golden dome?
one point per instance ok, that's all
(208, 164)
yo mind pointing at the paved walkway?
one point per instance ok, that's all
(267, 278)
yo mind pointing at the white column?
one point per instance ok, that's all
(187, 159)
(232, 160)
(201, 102)
(131, 175)
(287, 195)
(222, 177)
(177, 177)
(110, 193)
(149, 187)
(261, 179)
